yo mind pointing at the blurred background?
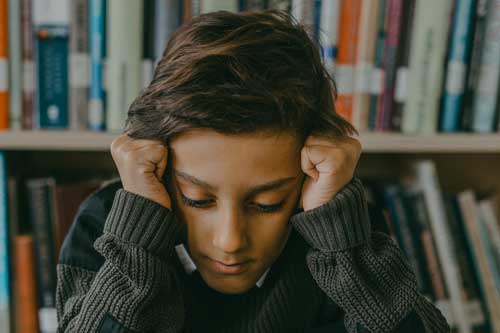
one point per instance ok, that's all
(419, 79)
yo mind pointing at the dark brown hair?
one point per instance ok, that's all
(238, 73)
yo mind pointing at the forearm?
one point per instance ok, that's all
(136, 288)
(364, 272)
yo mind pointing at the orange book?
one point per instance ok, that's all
(26, 308)
(4, 67)
(350, 14)
(187, 10)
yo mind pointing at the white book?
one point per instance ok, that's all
(15, 65)
(328, 32)
(471, 215)
(216, 5)
(429, 184)
(426, 70)
(123, 60)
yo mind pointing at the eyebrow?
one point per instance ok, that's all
(275, 184)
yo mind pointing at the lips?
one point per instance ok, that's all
(229, 268)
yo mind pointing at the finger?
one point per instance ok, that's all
(308, 167)
(162, 164)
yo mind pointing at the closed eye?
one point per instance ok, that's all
(205, 203)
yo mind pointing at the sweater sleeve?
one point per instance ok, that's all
(364, 272)
(136, 288)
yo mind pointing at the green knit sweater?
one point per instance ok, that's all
(118, 272)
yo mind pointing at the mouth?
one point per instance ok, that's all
(229, 268)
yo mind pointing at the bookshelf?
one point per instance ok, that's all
(372, 142)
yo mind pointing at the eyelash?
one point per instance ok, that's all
(204, 203)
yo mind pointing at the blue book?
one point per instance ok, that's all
(458, 60)
(97, 47)
(317, 18)
(4, 251)
(52, 47)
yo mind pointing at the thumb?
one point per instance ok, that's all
(308, 167)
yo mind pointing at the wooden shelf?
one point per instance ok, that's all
(372, 142)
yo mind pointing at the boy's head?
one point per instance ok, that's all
(235, 96)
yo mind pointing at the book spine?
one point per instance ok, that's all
(15, 61)
(4, 251)
(79, 65)
(485, 100)
(474, 64)
(386, 101)
(51, 21)
(376, 80)
(328, 35)
(364, 63)
(458, 60)
(40, 204)
(161, 29)
(4, 66)
(251, 5)
(470, 213)
(28, 75)
(284, 5)
(208, 6)
(148, 44)
(401, 88)
(427, 54)
(346, 61)
(97, 47)
(187, 10)
(26, 304)
(427, 178)
(124, 59)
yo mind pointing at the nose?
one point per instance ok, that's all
(230, 232)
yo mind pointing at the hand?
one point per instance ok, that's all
(329, 165)
(141, 164)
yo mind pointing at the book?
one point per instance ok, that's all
(427, 54)
(479, 26)
(51, 24)
(377, 77)
(4, 66)
(389, 63)
(97, 53)
(148, 45)
(79, 65)
(40, 194)
(328, 33)
(350, 15)
(364, 63)
(66, 199)
(215, 5)
(167, 19)
(26, 304)
(427, 179)
(5, 293)
(124, 59)
(284, 5)
(28, 70)
(458, 60)
(15, 62)
(471, 215)
(402, 58)
(485, 99)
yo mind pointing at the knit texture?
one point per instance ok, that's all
(334, 273)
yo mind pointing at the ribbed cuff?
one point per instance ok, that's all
(339, 224)
(143, 222)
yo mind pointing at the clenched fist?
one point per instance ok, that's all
(141, 164)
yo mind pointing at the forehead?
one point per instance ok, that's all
(253, 157)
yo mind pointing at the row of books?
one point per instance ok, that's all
(35, 216)
(411, 66)
(452, 242)
(78, 64)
